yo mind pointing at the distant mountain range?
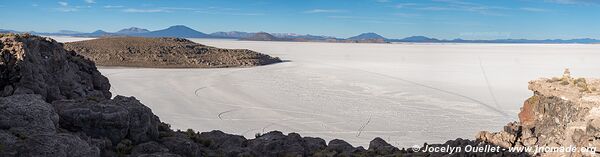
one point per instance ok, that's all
(182, 31)
(179, 31)
(367, 36)
(231, 35)
(132, 30)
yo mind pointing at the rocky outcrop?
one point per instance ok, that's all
(27, 115)
(562, 113)
(165, 53)
(37, 65)
(116, 119)
(62, 144)
(29, 127)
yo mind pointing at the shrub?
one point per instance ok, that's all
(164, 126)
(257, 135)
(195, 136)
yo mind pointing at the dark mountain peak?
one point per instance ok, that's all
(367, 36)
(68, 32)
(99, 32)
(180, 27)
(132, 30)
(180, 31)
(262, 36)
(419, 39)
(370, 34)
(231, 34)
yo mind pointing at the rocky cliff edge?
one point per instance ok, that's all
(563, 113)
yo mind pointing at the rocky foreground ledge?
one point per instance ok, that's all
(54, 102)
(165, 53)
(563, 113)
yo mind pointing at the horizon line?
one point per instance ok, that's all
(336, 37)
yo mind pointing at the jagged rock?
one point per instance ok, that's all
(160, 154)
(275, 143)
(503, 139)
(313, 144)
(379, 146)
(26, 115)
(29, 128)
(562, 112)
(340, 146)
(38, 65)
(148, 148)
(8, 144)
(116, 119)
(56, 145)
(181, 145)
(230, 144)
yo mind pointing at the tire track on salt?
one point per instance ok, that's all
(424, 86)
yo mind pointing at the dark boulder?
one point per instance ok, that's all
(38, 65)
(56, 145)
(148, 148)
(379, 146)
(226, 143)
(116, 119)
(27, 115)
(181, 145)
(340, 146)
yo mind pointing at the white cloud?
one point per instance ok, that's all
(225, 11)
(382, 1)
(66, 9)
(405, 15)
(228, 13)
(79, 7)
(313, 11)
(176, 8)
(90, 1)
(113, 6)
(207, 10)
(436, 8)
(404, 5)
(132, 10)
(534, 9)
(367, 19)
(580, 2)
(61, 3)
(464, 6)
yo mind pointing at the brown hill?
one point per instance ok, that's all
(165, 53)
(263, 36)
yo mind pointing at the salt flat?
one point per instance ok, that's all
(406, 94)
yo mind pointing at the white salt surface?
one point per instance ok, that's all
(406, 94)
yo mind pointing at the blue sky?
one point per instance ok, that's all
(446, 19)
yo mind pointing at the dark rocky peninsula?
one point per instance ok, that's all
(165, 53)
